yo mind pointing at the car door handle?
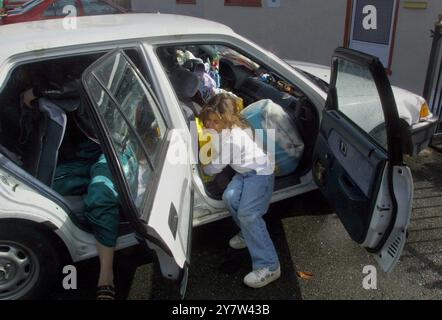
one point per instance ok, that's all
(343, 148)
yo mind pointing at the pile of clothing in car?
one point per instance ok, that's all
(278, 135)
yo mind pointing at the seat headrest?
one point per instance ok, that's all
(184, 82)
(192, 64)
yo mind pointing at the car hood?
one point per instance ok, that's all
(408, 104)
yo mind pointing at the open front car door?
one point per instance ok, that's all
(141, 147)
(358, 163)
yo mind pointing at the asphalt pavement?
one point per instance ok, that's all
(309, 238)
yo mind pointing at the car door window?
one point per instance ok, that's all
(358, 99)
(57, 8)
(97, 7)
(133, 120)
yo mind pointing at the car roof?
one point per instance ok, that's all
(38, 36)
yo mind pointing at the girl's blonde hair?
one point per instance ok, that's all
(224, 106)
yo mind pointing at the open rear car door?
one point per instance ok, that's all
(358, 163)
(140, 146)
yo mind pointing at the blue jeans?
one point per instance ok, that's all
(248, 198)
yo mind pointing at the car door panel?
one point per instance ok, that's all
(365, 180)
(387, 255)
(360, 161)
(174, 184)
(352, 172)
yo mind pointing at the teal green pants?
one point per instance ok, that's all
(89, 174)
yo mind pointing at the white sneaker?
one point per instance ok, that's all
(237, 242)
(261, 277)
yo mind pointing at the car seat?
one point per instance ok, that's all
(51, 132)
(47, 139)
(185, 84)
(11, 156)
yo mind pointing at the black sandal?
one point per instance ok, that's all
(106, 293)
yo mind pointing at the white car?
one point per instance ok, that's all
(417, 122)
(124, 58)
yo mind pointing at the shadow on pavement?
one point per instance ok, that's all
(217, 270)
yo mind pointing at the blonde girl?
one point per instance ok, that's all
(248, 194)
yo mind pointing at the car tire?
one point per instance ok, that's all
(29, 262)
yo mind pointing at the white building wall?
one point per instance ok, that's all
(413, 45)
(299, 29)
(309, 30)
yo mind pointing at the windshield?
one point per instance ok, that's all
(319, 82)
(236, 58)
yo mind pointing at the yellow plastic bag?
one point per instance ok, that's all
(239, 104)
(204, 138)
